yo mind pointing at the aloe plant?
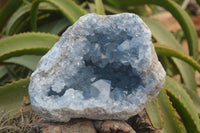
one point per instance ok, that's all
(24, 44)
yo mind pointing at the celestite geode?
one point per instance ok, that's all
(103, 67)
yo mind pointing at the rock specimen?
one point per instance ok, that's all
(103, 67)
(83, 126)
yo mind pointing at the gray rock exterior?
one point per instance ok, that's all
(103, 67)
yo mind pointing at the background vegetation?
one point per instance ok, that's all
(29, 28)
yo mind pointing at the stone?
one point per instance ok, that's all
(83, 126)
(110, 126)
(75, 126)
(103, 67)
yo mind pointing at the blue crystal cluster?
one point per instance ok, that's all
(103, 67)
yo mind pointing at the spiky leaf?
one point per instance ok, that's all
(11, 95)
(29, 61)
(20, 19)
(99, 7)
(8, 10)
(171, 124)
(163, 36)
(183, 104)
(173, 52)
(3, 71)
(68, 7)
(54, 27)
(154, 113)
(195, 98)
(26, 43)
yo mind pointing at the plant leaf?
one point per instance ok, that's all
(17, 18)
(11, 95)
(112, 9)
(29, 61)
(68, 7)
(21, 17)
(171, 124)
(163, 36)
(99, 7)
(26, 43)
(91, 7)
(3, 71)
(54, 27)
(178, 13)
(195, 98)
(172, 51)
(154, 113)
(5, 13)
(183, 104)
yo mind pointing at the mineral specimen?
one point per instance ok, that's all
(103, 67)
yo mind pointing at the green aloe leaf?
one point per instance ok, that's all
(183, 104)
(11, 95)
(154, 112)
(195, 98)
(163, 36)
(68, 7)
(3, 71)
(29, 61)
(99, 7)
(55, 27)
(21, 18)
(26, 43)
(17, 18)
(112, 9)
(178, 13)
(171, 123)
(8, 10)
(173, 52)
(91, 7)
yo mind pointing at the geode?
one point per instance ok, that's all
(103, 67)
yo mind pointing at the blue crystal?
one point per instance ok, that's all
(103, 67)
